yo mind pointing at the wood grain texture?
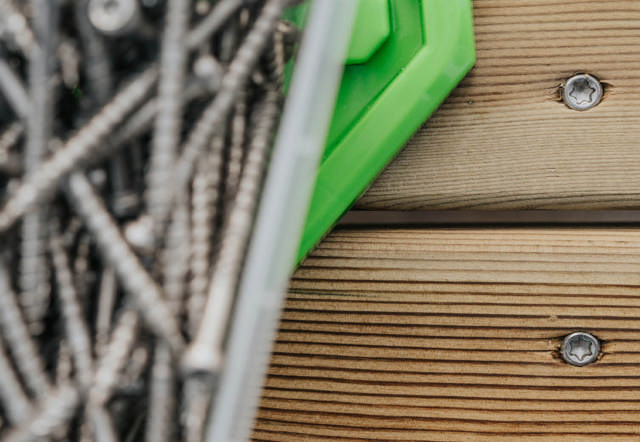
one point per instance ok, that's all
(454, 335)
(503, 140)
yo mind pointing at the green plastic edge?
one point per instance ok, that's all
(400, 110)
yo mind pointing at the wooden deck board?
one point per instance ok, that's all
(453, 334)
(504, 141)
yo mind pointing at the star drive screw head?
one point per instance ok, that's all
(580, 349)
(582, 92)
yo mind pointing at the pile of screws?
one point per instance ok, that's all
(134, 136)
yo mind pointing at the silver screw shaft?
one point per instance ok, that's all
(205, 352)
(79, 148)
(106, 302)
(14, 90)
(168, 123)
(206, 194)
(76, 328)
(33, 275)
(17, 335)
(57, 408)
(117, 253)
(239, 69)
(15, 23)
(115, 357)
(14, 400)
(86, 143)
(162, 397)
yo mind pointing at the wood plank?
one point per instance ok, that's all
(454, 334)
(503, 140)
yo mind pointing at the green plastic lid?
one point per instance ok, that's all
(405, 57)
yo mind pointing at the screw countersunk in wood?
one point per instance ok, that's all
(116, 252)
(168, 122)
(582, 92)
(57, 408)
(204, 352)
(14, 401)
(41, 184)
(17, 335)
(239, 69)
(580, 349)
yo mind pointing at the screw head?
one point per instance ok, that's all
(582, 92)
(580, 349)
(113, 17)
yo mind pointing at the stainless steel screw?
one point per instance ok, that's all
(175, 257)
(582, 92)
(106, 301)
(42, 183)
(57, 408)
(88, 140)
(17, 335)
(115, 357)
(96, 64)
(125, 198)
(76, 328)
(14, 90)
(115, 17)
(116, 252)
(236, 148)
(135, 367)
(197, 395)
(206, 193)
(212, 22)
(33, 275)
(14, 401)
(162, 401)
(204, 354)
(64, 364)
(16, 24)
(239, 69)
(580, 348)
(8, 139)
(168, 123)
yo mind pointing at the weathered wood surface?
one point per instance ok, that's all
(454, 335)
(503, 140)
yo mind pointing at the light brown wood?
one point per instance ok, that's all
(454, 335)
(503, 140)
